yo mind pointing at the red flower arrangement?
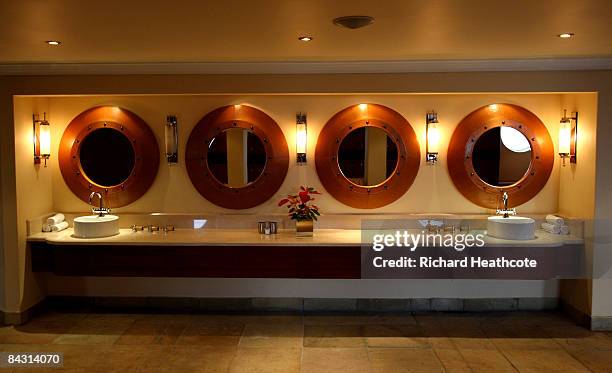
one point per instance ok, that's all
(300, 205)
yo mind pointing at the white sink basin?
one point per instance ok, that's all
(94, 226)
(511, 228)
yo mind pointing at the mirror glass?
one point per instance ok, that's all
(236, 157)
(367, 156)
(501, 156)
(107, 157)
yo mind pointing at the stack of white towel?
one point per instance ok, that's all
(555, 225)
(55, 223)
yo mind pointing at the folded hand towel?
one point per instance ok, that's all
(46, 228)
(56, 219)
(556, 220)
(564, 229)
(59, 227)
(551, 228)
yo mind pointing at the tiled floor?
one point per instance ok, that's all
(500, 342)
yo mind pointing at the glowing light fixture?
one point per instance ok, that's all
(363, 107)
(568, 130)
(55, 43)
(432, 134)
(514, 140)
(305, 38)
(41, 132)
(301, 137)
(566, 35)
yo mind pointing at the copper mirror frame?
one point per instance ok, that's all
(461, 168)
(142, 139)
(254, 121)
(328, 144)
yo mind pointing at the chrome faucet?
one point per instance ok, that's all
(505, 212)
(100, 211)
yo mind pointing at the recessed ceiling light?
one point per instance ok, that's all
(566, 35)
(353, 22)
(55, 43)
(305, 38)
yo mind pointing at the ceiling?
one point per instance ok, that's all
(264, 30)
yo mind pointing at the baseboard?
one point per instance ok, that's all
(597, 323)
(601, 323)
(297, 305)
(575, 314)
(22, 317)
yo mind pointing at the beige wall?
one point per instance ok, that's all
(358, 84)
(577, 189)
(432, 191)
(34, 188)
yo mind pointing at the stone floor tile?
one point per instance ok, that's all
(395, 336)
(452, 360)
(334, 360)
(486, 361)
(221, 335)
(548, 361)
(404, 360)
(266, 360)
(334, 336)
(273, 335)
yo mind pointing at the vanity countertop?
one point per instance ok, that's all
(250, 237)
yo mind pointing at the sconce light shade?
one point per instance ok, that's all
(171, 135)
(432, 137)
(568, 130)
(42, 138)
(564, 137)
(301, 137)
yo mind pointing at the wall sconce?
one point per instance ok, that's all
(171, 139)
(301, 137)
(568, 130)
(432, 134)
(41, 132)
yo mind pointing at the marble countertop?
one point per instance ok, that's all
(250, 237)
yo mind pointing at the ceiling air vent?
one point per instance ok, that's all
(353, 22)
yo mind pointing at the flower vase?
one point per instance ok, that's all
(303, 227)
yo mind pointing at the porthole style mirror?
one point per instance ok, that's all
(237, 157)
(109, 150)
(500, 148)
(367, 156)
(501, 156)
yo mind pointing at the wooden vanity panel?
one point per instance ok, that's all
(333, 262)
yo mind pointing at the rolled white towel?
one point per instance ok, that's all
(551, 228)
(59, 227)
(564, 229)
(46, 228)
(556, 220)
(56, 219)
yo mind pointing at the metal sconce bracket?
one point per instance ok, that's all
(171, 139)
(301, 135)
(36, 138)
(431, 118)
(573, 121)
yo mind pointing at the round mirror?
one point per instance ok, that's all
(107, 157)
(367, 156)
(236, 157)
(501, 156)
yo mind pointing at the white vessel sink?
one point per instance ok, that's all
(511, 228)
(94, 226)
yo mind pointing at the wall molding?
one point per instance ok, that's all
(332, 67)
